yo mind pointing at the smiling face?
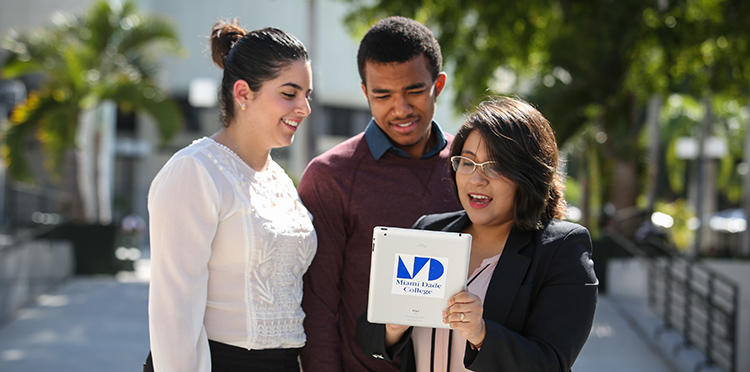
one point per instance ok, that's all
(489, 202)
(402, 102)
(275, 111)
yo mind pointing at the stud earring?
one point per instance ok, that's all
(243, 106)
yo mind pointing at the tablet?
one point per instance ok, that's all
(413, 273)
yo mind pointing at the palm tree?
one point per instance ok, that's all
(88, 64)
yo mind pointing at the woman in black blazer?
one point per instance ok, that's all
(532, 291)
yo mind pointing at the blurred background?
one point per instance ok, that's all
(649, 99)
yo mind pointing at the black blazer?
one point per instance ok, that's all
(539, 306)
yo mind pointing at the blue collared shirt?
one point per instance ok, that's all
(379, 142)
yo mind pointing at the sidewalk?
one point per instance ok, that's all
(94, 324)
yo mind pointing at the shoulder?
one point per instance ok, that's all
(339, 161)
(562, 240)
(343, 151)
(560, 230)
(194, 156)
(191, 170)
(338, 157)
(335, 169)
(566, 245)
(441, 221)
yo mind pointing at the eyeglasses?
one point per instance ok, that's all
(465, 165)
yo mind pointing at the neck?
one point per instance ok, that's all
(488, 241)
(417, 151)
(254, 156)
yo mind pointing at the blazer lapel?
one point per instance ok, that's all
(509, 273)
(508, 276)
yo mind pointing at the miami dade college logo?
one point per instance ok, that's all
(419, 276)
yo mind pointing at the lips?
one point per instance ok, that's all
(405, 128)
(291, 123)
(479, 200)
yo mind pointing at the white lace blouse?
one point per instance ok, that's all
(229, 246)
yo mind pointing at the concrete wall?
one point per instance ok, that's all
(28, 269)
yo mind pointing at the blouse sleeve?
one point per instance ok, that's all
(183, 217)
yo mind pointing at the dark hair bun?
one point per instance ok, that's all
(223, 37)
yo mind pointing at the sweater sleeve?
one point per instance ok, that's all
(371, 339)
(183, 217)
(558, 322)
(322, 283)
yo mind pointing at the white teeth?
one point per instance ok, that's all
(290, 122)
(404, 125)
(479, 196)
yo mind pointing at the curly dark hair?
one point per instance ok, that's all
(253, 56)
(521, 140)
(398, 40)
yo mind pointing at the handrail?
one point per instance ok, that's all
(692, 299)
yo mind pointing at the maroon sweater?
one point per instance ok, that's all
(348, 193)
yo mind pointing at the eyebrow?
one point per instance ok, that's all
(295, 86)
(410, 87)
(468, 152)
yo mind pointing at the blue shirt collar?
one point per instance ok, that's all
(379, 142)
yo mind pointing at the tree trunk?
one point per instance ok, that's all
(94, 153)
(745, 241)
(654, 149)
(85, 148)
(107, 118)
(703, 205)
(625, 186)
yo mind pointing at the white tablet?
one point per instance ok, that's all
(413, 273)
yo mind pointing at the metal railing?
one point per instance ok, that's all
(693, 300)
(29, 207)
(32, 262)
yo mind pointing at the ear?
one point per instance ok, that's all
(242, 92)
(364, 90)
(439, 83)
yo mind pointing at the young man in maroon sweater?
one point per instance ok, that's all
(389, 175)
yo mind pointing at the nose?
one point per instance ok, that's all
(303, 108)
(401, 106)
(478, 176)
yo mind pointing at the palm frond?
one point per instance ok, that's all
(146, 97)
(102, 20)
(25, 118)
(29, 53)
(107, 53)
(143, 32)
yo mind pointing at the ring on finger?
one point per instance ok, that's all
(463, 316)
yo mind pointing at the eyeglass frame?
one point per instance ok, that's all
(494, 174)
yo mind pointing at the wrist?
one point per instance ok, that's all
(476, 346)
(482, 335)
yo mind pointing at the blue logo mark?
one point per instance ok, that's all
(435, 269)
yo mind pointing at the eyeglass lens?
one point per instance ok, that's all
(465, 165)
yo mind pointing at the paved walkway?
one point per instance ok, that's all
(94, 324)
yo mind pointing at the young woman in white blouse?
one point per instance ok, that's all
(230, 239)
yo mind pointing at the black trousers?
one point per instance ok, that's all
(228, 358)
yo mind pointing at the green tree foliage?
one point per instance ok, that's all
(590, 66)
(107, 54)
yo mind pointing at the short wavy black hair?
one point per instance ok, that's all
(522, 142)
(397, 40)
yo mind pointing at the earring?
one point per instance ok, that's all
(243, 106)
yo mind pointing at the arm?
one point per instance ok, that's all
(322, 282)
(182, 225)
(558, 321)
